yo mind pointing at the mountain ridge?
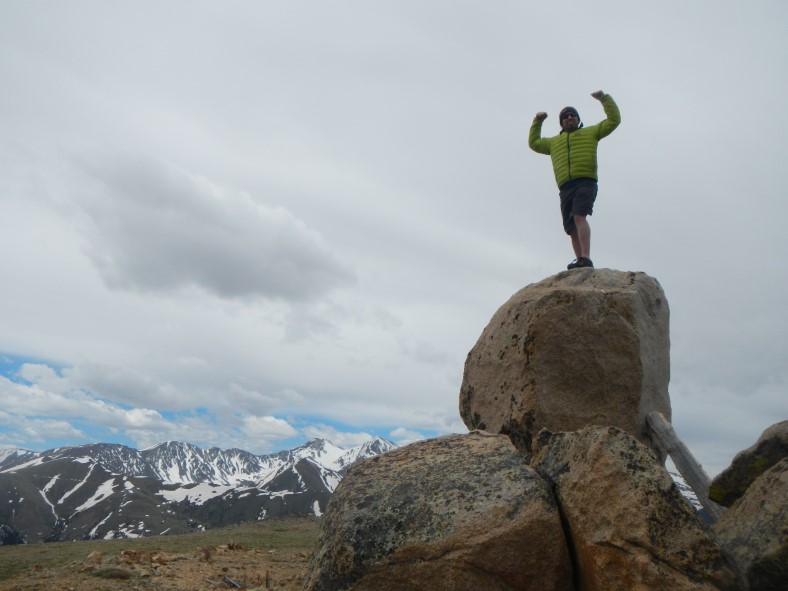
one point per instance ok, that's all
(111, 490)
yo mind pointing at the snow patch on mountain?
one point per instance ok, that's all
(45, 490)
(93, 532)
(27, 463)
(330, 480)
(77, 486)
(102, 493)
(684, 488)
(197, 494)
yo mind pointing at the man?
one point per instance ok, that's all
(573, 152)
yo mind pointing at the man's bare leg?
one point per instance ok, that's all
(575, 242)
(581, 237)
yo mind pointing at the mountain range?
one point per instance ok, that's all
(104, 491)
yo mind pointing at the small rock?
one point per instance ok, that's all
(732, 483)
(755, 530)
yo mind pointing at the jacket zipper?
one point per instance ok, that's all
(568, 157)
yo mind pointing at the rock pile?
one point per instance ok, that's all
(558, 486)
(755, 527)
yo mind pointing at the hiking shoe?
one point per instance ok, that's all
(584, 262)
(580, 262)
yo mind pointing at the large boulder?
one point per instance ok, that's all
(584, 347)
(771, 447)
(456, 513)
(755, 530)
(627, 523)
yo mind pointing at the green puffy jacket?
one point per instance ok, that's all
(574, 154)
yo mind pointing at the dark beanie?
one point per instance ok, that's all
(565, 111)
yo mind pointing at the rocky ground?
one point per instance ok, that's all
(265, 560)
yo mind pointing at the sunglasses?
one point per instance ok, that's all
(568, 115)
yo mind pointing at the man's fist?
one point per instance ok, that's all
(598, 95)
(541, 116)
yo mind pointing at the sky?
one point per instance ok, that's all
(250, 223)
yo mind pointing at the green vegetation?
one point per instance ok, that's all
(758, 466)
(717, 494)
(290, 533)
(735, 485)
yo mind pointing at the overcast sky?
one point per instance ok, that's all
(248, 223)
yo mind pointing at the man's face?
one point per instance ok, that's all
(570, 121)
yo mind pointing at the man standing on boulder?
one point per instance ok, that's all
(573, 152)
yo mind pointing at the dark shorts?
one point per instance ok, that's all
(577, 198)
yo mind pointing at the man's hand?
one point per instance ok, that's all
(598, 95)
(541, 116)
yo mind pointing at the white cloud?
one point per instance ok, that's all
(141, 418)
(402, 436)
(39, 431)
(77, 415)
(42, 375)
(343, 439)
(267, 428)
(127, 385)
(242, 399)
(150, 226)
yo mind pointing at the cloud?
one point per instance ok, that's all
(153, 227)
(42, 375)
(424, 352)
(267, 428)
(253, 402)
(69, 415)
(22, 429)
(344, 439)
(403, 436)
(105, 381)
(142, 418)
(123, 384)
(52, 397)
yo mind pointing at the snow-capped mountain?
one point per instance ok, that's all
(15, 456)
(108, 490)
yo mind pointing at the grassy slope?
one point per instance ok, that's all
(294, 533)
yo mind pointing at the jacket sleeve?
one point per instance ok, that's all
(613, 120)
(535, 140)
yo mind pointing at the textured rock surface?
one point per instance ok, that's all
(755, 530)
(627, 523)
(456, 513)
(585, 347)
(771, 447)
